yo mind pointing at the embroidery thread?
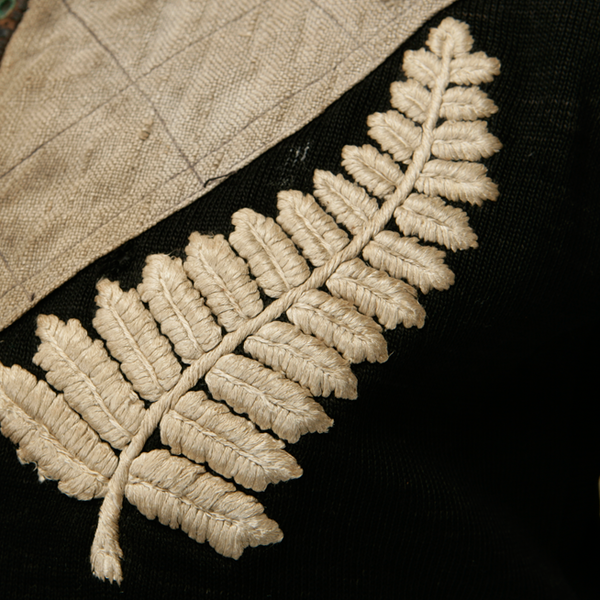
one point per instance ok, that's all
(286, 364)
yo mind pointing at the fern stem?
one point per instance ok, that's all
(106, 552)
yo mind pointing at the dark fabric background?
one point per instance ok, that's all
(468, 466)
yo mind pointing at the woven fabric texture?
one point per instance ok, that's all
(467, 468)
(115, 115)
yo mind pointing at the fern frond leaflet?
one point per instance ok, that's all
(329, 331)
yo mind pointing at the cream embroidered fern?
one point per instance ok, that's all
(287, 364)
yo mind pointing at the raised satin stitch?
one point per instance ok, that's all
(333, 271)
(207, 432)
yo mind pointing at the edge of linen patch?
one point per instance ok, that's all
(331, 264)
(219, 86)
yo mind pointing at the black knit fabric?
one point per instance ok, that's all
(468, 466)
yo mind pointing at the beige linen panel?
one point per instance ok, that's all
(115, 114)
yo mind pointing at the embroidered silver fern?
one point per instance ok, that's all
(204, 308)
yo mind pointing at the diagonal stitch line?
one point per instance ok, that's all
(138, 88)
(183, 49)
(59, 133)
(183, 171)
(132, 83)
(106, 545)
(339, 25)
(239, 162)
(101, 226)
(271, 108)
(197, 41)
(292, 95)
(192, 166)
